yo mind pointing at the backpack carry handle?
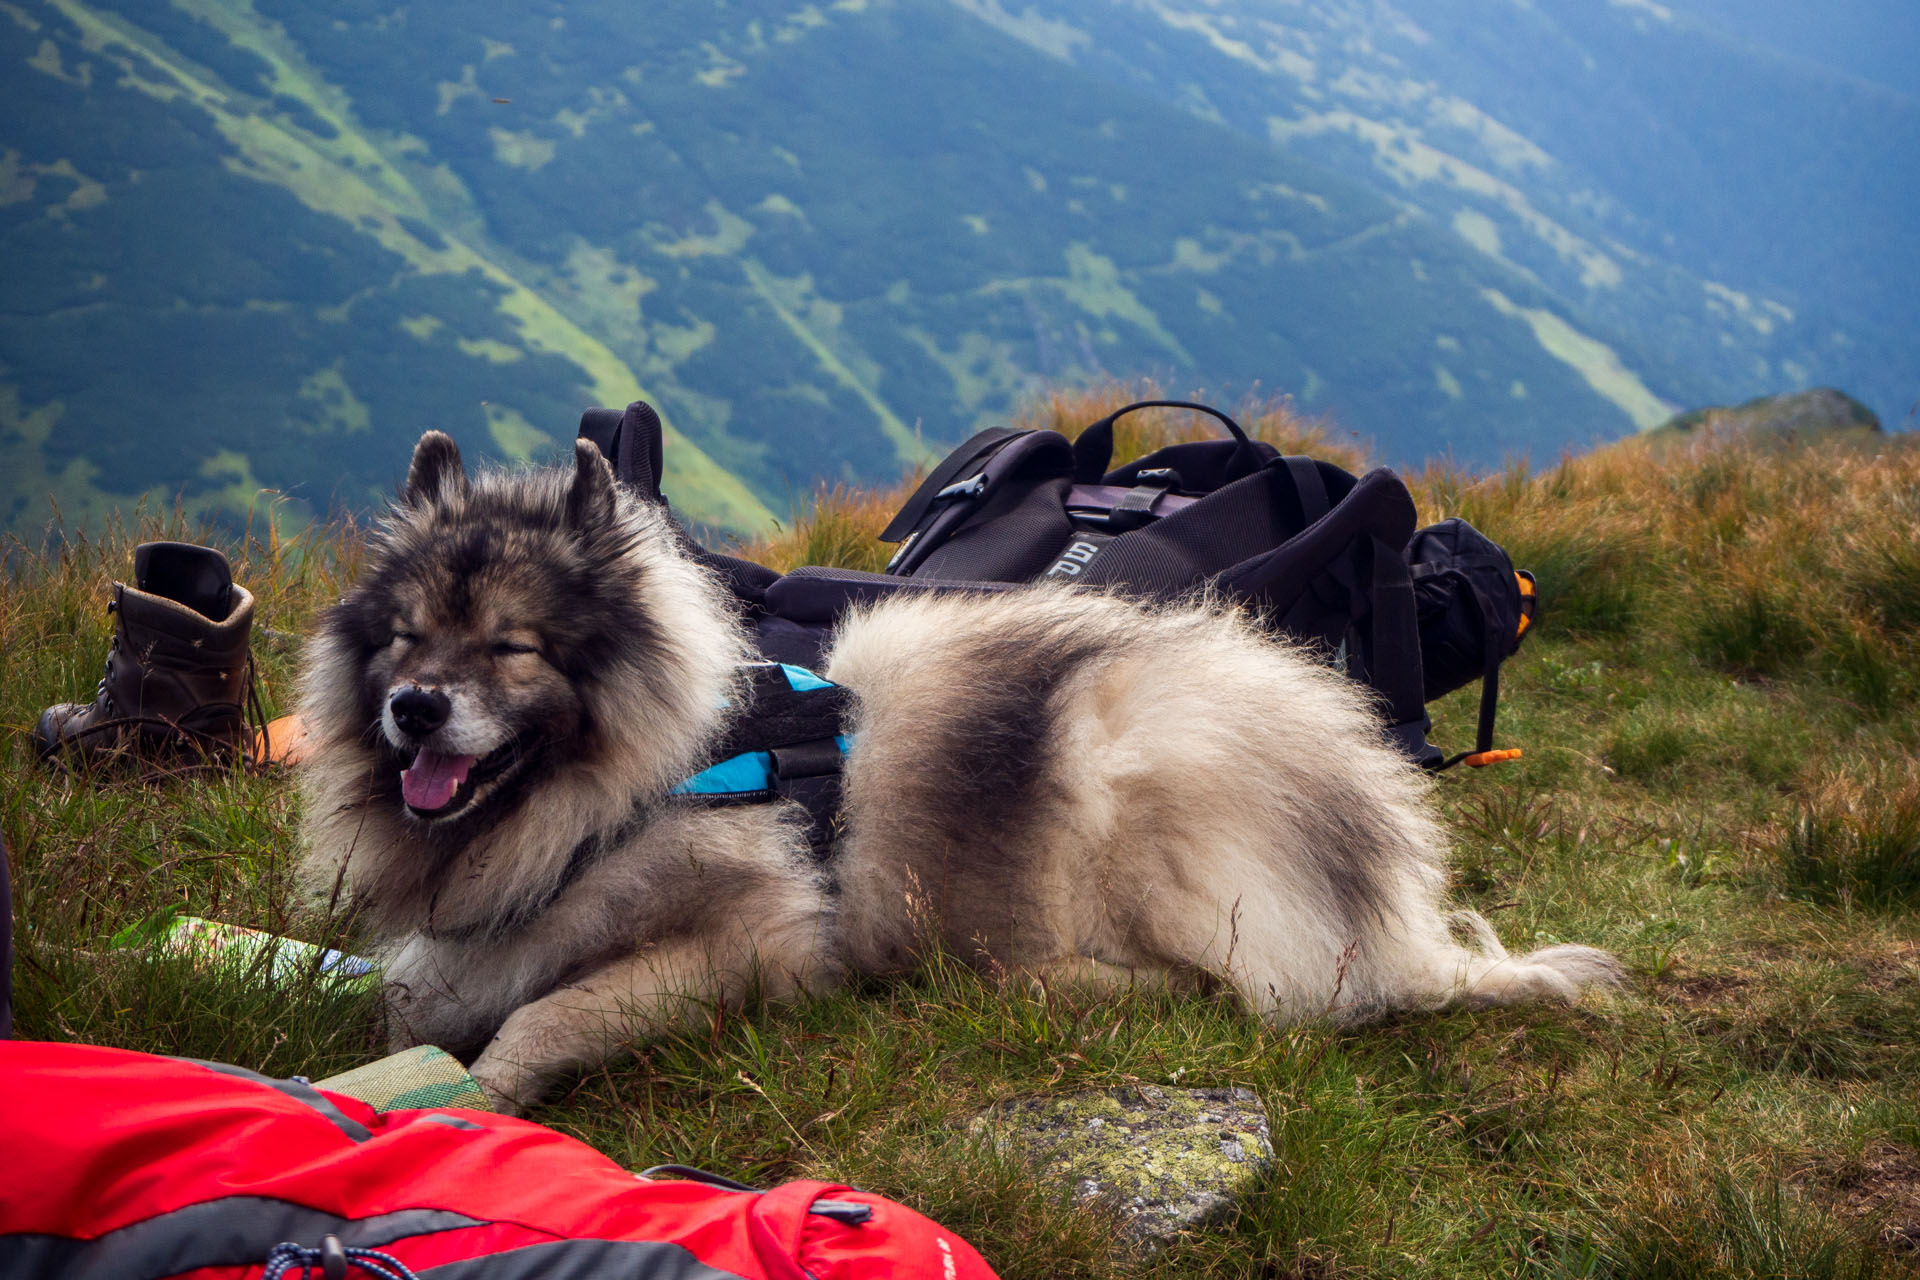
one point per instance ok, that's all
(1093, 448)
(631, 442)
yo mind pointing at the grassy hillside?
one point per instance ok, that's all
(1719, 784)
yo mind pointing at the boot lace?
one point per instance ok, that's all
(100, 693)
(254, 716)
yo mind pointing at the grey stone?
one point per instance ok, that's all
(1166, 1160)
(1805, 417)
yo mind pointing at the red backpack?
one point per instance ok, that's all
(135, 1167)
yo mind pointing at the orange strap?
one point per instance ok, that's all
(1481, 759)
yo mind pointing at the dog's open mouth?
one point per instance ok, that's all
(437, 785)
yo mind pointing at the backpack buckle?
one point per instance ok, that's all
(1134, 509)
(964, 488)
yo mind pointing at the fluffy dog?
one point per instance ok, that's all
(1048, 783)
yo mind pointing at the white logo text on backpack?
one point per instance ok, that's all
(1073, 560)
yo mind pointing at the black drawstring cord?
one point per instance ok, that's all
(333, 1260)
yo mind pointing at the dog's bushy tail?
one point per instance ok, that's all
(1493, 975)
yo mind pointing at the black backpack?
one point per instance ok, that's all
(1331, 560)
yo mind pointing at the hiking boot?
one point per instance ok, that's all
(178, 670)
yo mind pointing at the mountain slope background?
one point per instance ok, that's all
(262, 245)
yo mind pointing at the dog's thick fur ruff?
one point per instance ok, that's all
(1047, 783)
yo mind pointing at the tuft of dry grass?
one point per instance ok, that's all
(1856, 838)
(840, 529)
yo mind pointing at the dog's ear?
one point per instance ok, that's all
(437, 474)
(592, 501)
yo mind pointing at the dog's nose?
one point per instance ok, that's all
(419, 711)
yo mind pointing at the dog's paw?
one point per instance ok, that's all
(504, 1104)
(510, 1090)
(502, 1101)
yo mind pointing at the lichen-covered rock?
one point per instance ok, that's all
(1167, 1160)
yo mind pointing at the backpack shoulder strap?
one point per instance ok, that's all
(1395, 653)
(1309, 484)
(1483, 752)
(1371, 524)
(909, 516)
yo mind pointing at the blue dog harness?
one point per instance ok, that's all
(786, 741)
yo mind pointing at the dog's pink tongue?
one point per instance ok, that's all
(433, 778)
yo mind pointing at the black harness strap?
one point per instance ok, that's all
(583, 856)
